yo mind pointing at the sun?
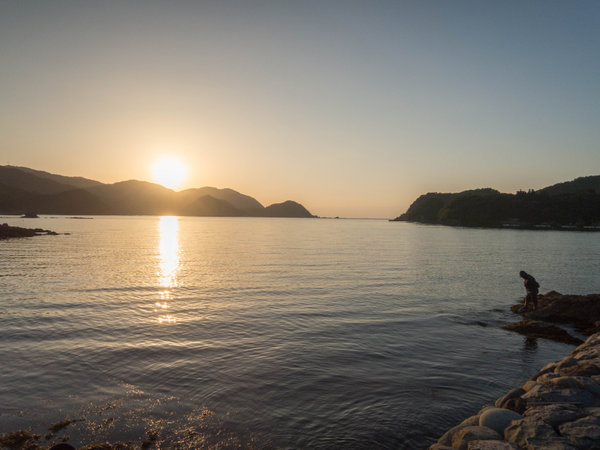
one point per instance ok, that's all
(169, 171)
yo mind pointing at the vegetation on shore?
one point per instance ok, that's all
(573, 205)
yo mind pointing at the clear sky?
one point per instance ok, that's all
(353, 108)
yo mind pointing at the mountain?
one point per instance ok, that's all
(288, 208)
(137, 198)
(14, 200)
(578, 185)
(79, 182)
(239, 201)
(23, 189)
(571, 204)
(210, 206)
(26, 181)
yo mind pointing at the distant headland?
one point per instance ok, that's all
(27, 190)
(572, 205)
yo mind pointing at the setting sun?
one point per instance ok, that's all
(169, 171)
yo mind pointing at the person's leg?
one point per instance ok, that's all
(528, 301)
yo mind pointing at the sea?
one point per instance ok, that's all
(190, 332)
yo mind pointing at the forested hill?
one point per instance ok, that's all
(24, 190)
(572, 204)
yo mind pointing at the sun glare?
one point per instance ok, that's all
(169, 171)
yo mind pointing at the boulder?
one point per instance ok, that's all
(582, 433)
(547, 394)
(512, 400)
(490, 445)
(584, 369)
(555, 414)
(498, 419)
(446, 438)
(533, 433)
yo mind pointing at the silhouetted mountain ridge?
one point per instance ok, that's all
(23, 189)
(570, 204)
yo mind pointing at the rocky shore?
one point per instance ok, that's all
(559, 407)
(582, 312)
(6, 232)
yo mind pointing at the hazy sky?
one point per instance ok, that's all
(351, 108)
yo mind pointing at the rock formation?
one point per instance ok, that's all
(558, 408)
(580, 311)
(7, 232)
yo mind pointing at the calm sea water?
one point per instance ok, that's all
(269, 333)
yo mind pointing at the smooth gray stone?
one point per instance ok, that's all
(498, 419)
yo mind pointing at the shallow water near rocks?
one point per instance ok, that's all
(269, 333)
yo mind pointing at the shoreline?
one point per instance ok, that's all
(558, 407)
(505, 226)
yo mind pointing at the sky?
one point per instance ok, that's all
(352, 108)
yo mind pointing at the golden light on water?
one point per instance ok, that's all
(168, 265)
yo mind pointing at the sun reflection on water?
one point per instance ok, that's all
(168, 265)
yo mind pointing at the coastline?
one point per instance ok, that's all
(558, 407)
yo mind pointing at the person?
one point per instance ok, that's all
(531, 287)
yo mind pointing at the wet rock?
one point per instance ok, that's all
(537, 329)
(498, 419)
(461, 439)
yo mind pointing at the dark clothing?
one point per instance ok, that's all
(531, 286)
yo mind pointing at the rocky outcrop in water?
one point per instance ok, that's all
(538, 329)
(582, 311)
(7, 232)
(558, 408)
